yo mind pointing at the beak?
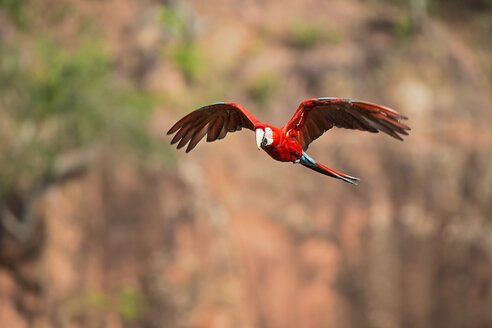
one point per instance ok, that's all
(260, 134)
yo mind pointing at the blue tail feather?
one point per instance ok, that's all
(313, 165)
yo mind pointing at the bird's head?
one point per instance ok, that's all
(264, 136)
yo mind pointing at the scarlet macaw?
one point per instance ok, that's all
(288, 144)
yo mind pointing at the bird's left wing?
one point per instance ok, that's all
(315, 116)
(214, 120)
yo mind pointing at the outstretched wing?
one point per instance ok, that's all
(212, 120)
(315, 116)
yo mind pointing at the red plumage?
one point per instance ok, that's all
(312, 118)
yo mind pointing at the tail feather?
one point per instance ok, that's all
(313, 165)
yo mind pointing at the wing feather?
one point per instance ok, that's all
(181, 133)
(363, 124)
(223, 130)
(231, 125)
(187, 137)
(187, 126)
(313, 117)
(192, 130)
(199, 134)
(214, 120)
(190, 117)
(215, 127)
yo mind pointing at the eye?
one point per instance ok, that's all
(264, 142)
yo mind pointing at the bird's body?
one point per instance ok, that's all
(284, 148)
(288, 144)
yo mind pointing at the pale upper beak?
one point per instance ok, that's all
(260, 134)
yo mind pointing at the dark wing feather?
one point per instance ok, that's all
(314, 117)
(214, 120)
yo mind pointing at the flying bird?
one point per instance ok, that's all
(312, 118)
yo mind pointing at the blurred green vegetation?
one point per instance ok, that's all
(57, 98)
(404, 28)
(129, 304)
(188, 58)
(93, 306)
(95, 299)
(181, 49)
(262, 87)
(479, 11)
(14, 9)
(306, 35)
(172, 19)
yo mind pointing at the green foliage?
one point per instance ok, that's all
(460, 7)
(172, 19)
(484, 23)
(306, 35)
(96, 300)
(263, 87)
(188, 58)
(93, 305)
(404, 28)
(56, 100)
(181, 48)
(129, 304)
(14, 9)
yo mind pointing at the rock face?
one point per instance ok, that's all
(225, 237)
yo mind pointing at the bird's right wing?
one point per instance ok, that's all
(315, 116)
(214, 120)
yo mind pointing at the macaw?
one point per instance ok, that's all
(289, 144)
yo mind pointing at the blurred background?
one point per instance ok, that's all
(103, 224)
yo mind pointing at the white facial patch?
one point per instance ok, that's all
(267, 138)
